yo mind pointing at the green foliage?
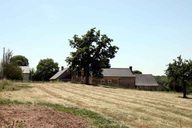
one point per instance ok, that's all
(93, 52)
(32, 74)
(13, 102)
(6, 60)
(19, 60)
(12, 72)
(164, 82)
(45, 70)
(137, 72)
(180, 73)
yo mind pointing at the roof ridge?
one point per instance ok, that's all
(144, 74)
(115, 68)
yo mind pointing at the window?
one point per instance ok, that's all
(109, 81)
(102, 81)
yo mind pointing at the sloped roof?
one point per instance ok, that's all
(145, 80)
(119, 72)
(110, 72)
(25, 69)
(58, 74)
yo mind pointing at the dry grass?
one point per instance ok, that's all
(139, 109)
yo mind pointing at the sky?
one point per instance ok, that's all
(149, 33)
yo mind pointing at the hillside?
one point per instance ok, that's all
(139, 109)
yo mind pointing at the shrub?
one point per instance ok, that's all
(12, 72)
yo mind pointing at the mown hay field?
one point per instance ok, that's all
(134, 108)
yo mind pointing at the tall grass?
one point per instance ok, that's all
(7, 85)
(4, 84)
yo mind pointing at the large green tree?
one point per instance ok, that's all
(46, 69)
(19, 60)
(93, 52)
(180, 71)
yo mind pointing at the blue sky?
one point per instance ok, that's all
(149, 33)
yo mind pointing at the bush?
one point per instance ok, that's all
(12, 72)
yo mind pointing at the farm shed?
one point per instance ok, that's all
(25, 72)
(112, 76)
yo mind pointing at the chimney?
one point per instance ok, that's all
(131, 68)
(62, 68)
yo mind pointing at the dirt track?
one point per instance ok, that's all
(133, 108)
(31, 117)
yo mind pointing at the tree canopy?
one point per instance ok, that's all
(93, 52)
(46, 69)
(180, 71)
(19, 60)
(137, 72)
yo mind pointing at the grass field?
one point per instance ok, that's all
(137, 109)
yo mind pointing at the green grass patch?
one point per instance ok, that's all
(96, 119)
(6, 85)
(13, 102)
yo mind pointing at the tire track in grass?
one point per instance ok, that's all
(161, 107)
(122, 105)
(107, 112)
(128, 91)
(162, 97)
(123, 112)
(71, 97)
(147, 100)
(54, 94)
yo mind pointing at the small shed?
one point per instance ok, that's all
(25, 72)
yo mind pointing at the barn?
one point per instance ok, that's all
(112, 76)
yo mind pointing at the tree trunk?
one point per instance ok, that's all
(87, 78)
(86, 71)
(184, 90)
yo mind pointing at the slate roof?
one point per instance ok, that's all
(119, 72)
(145, 80)
(25, 69)
(58, 74)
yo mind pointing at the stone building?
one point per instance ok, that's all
(112, 76)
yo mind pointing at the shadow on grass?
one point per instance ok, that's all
(185, 98)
